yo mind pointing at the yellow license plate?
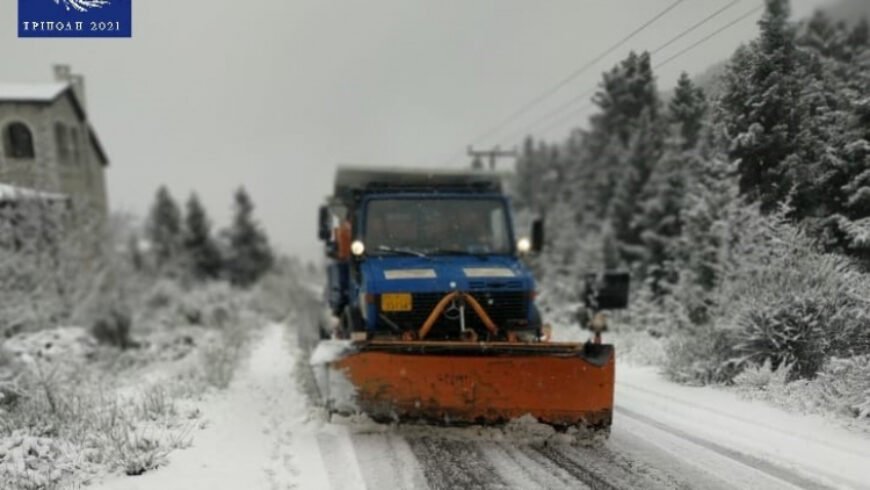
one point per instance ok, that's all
(396, 302)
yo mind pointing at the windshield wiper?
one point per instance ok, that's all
(401, 250)
(456, 251)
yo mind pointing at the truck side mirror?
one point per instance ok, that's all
(324, 224)
(607, 291)
(537, 235)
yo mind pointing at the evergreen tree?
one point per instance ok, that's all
(627, 96)
(204, 258)
(832, 193)
(663, 200)
(709, 209)
(164, 228)
(687, 110)
(250, 255)
(758, 108)
(661, 219)
(625, 206)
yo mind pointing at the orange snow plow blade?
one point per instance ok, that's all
(560, 384)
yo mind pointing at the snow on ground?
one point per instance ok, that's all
(757, 435)
(260, 433)
(263, 433)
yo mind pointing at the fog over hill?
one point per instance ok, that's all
(847, 10)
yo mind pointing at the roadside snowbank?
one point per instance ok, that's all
(259, 433)
(805, 444)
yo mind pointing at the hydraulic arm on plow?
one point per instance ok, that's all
(432, 314)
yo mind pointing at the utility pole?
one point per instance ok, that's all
(493, 156)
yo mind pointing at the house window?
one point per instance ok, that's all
(62, 142)
(18, 141)
(76, 138)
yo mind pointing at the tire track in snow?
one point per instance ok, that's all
(563, 477)
(450, 464)
(525, 472)
(619, 470)
(767, 471)
(386, 461)
(590, 478)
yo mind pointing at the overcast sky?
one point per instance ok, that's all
(272, 94)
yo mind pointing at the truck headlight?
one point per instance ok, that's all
(524, 245)
(357, 248)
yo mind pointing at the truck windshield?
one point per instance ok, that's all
(437, 227)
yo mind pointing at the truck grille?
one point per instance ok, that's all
(501, 306)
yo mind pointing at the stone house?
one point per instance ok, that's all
(47, 144)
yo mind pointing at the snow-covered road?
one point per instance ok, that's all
(262, 433)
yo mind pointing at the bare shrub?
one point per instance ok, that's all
(112, 327)
(155, 403)
(219, 359)
(219, 363)
(85, 426)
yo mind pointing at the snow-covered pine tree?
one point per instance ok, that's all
(625, 213)
(663, 200)
(832, 196)
(709, 205)
(249, 255)
(758, 108)
(627, 94)
(687, 110)
(163, 228)
(201, 251)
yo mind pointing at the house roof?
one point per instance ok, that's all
(47, 93)
(32, 92)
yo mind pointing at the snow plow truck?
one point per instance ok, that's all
(430, 309)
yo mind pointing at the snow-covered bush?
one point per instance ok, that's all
(164, 293)
(638, 348)
(779, 300)
(787, 333)
(762, 376)
(700, 356)
(67, 421)
(214, 304)
(278, 293)
(790, 303)
(844, 384)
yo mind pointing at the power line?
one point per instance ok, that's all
(561, 109)
(707, 38)
(694, 27)
(665, 62)
(522, 110)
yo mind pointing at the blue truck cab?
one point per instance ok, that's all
(399, 242)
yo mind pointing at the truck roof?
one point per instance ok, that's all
(353, 181)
